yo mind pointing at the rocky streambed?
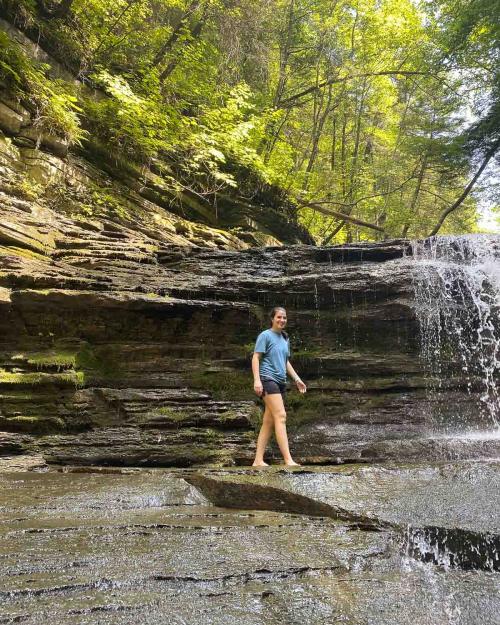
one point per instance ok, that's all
(313, 545)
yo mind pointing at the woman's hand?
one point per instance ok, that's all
(258, 388)
(301, 386)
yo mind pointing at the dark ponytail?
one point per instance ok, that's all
(272, 315)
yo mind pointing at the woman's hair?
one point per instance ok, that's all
(273, 314)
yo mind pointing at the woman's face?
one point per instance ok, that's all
(279, 320)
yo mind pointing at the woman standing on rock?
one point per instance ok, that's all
(270, 365)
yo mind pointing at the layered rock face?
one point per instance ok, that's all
(128, 318)
(129, 346)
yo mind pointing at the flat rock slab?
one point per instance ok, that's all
(108, 545)
(446, 514)
(459, 494)
(13, 464)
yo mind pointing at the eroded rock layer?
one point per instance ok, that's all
(120, 347)
(112, 545)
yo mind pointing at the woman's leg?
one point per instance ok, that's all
(274, 403)
(264, 435)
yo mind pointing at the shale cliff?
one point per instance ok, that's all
(120, 346)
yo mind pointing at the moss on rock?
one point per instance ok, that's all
(223, 385)
(32, 424)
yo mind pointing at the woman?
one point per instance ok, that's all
(270, 365)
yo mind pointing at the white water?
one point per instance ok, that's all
(457, 291)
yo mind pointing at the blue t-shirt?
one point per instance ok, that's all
(275, 350)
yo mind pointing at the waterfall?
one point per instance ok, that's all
(457, 295)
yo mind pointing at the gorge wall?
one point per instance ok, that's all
(119, 347)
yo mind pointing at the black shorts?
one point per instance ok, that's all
(273, 388)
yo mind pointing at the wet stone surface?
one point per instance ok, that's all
(460, 494)
(129, 546)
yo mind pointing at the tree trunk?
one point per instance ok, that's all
(416, 193)
(357, 138)
(334, 141)
(195, 33)
(272, 131)
(130, 4)
(343, 216)
(319, 123)
(176, 33)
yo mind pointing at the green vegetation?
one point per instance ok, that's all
(61, 359)
(361, 120)
(32, 424)
(22, 253)
(52, 102)
(25, 188)
(97, 363)
(223, 384)
(71, 378)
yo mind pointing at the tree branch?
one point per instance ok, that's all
(332, 213)
(289, 101)
(366, 197)
(488, 156)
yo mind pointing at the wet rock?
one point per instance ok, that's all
(146, 546)
(19, 464)
(445, 514)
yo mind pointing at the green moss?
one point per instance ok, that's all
(96, 363)
(169, 412)
(173, 415)
(229, 415)
(33, 424)
(22, 253)
(72, 378)
(53, 358)
(42, 291)
(212, 434)
(223, 384)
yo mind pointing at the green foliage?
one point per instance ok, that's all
(360, 106)
(25, 188)
(227, 133)
(138, 127)
(52, 102)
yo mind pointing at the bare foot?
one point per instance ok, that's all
(292, 463)
(260, 464)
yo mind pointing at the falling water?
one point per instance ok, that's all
(457, 292)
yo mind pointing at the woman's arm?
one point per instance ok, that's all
(295, 377)
(257, 384)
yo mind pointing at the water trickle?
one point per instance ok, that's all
(319, 336)
(457, 292)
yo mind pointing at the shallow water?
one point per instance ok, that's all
(145, 546)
